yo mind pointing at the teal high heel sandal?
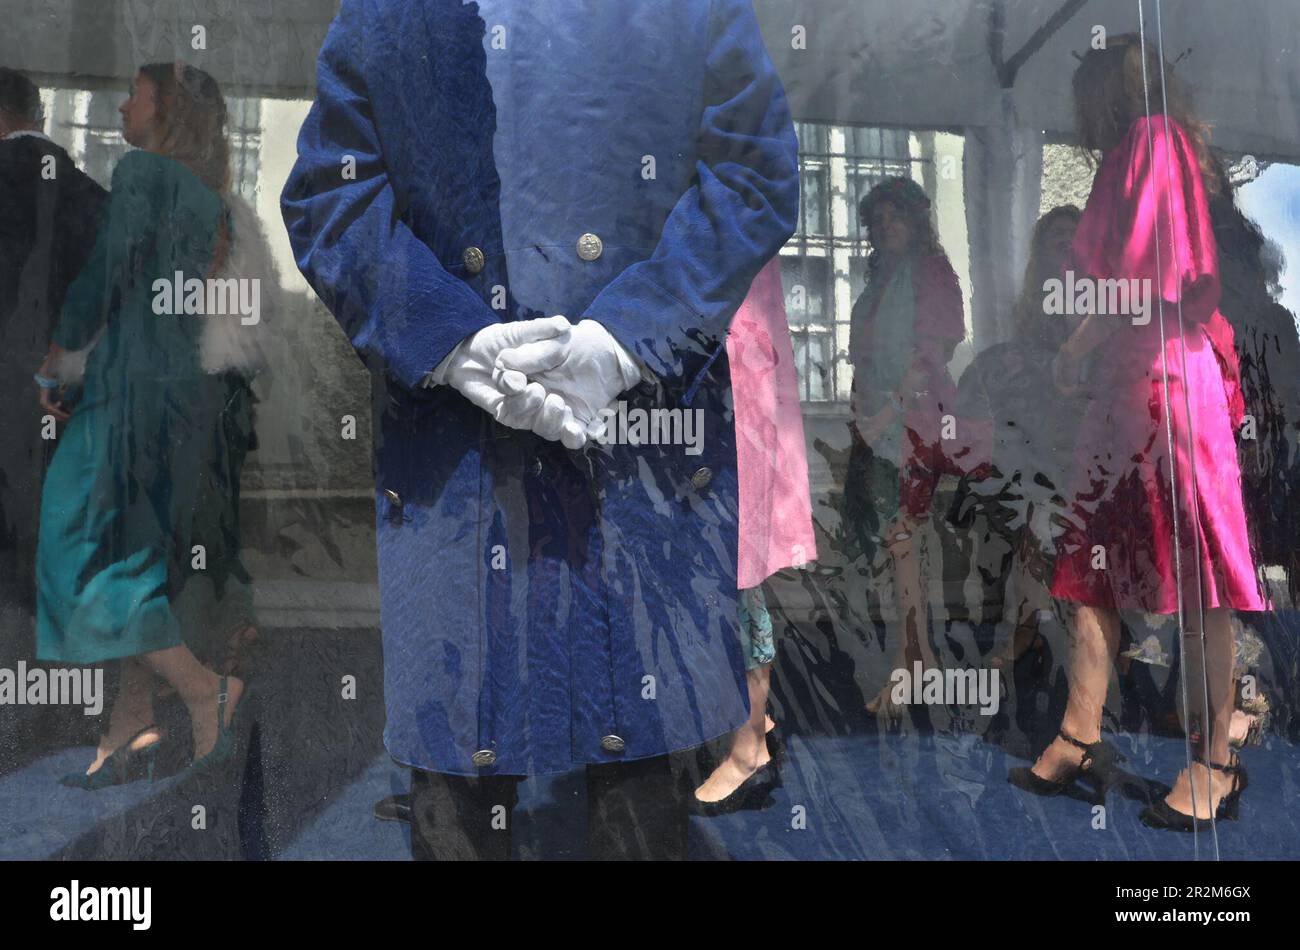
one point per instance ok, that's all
(224, 748)
(123, 766)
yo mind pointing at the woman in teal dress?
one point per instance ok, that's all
(904, 330)
(121, 493)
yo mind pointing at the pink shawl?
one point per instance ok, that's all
(775, 507)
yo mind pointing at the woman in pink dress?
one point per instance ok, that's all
(775, 524)
(1157, 519)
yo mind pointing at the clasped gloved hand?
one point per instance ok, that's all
(469, 368)
(587, 368)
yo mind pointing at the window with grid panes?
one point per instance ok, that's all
(88, 124)
(823, 266)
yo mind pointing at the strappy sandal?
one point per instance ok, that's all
(1165, 817)
(1099, 767)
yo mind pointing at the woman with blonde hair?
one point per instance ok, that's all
(117, 516)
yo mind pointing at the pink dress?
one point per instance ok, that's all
(775, 507)
(1147, 218)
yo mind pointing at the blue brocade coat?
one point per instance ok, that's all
(629, 162)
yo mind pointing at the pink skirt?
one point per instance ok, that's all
(775, 506)
(1118, 549)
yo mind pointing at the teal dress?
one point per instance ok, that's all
(120, 496)
(882, 344)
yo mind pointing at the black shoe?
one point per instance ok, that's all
(394, 808)
(753, 794)
(1098, 767)
(1165, 817)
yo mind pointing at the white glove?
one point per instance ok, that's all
(469, 369)
(588, 369)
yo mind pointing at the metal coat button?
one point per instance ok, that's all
(393, 498)
(473, 258)
(536, 468)
(612, 744)
(590, 246)
(484, 758)
(702, 477)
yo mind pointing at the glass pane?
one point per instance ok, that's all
(879, 416)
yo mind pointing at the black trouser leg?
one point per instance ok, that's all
(636, 811)
(461, 818)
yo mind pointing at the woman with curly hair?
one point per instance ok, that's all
(904, 329)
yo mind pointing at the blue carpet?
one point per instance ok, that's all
(347, 830)
(880, 797)
(907, 794)
(39, 817)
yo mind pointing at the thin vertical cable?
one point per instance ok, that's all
(1169, 429)
(1191, 457)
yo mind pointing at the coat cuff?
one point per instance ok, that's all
(438, 375)
(655, 329)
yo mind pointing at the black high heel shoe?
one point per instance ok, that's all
(755, 793)
(1165, 817)
(1099, 767)
(122, 766)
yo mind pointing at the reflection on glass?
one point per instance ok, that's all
(1157, 521)
(949, 493)
(143, 491)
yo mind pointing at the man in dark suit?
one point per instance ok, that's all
(49, 213)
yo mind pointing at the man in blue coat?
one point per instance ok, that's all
(549, 599)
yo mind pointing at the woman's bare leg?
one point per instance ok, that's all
(1031, 595)
(748, 745)
(913, 610)
(912, 604)
(1207, 667)
(198, 687)
(132, 711)
(1094, 641)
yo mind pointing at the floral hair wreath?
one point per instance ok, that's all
(194, 82)
(1131, 39)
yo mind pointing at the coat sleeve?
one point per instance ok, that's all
(739, 210)
(16, 237)
(384, 285)
(132, 215)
